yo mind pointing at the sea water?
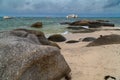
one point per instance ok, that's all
(50, 24)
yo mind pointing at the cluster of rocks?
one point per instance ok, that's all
(86, 26)
(86, 39)
(28, 55)
(61, 38)
(102, 40)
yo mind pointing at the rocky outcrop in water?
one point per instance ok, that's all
(24, 57)
(37, 25)
(91, 24)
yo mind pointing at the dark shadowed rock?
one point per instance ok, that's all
(57, 38)
(22, 58)
(104, 40)
(88, 39)
(37, 25)
(72, 41)
(108, 77)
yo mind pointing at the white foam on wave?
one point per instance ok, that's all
(86, 27)
(66, 32)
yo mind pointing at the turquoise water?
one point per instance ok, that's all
(50, 25)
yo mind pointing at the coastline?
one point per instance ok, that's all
(50, 25)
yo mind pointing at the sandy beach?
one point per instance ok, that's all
(59, 39)
(91, 63)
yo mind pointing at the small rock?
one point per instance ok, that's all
(72, 41)
(37, 25)
(87, 39)
(57, 38)
(109, 78)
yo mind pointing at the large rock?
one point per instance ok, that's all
(37, 25)
(105, 40)
(91, 24)
(57, 38)
(25, 58)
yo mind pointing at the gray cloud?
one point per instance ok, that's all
(112, 3)
(59, 6)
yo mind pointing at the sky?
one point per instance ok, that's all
(83, 8)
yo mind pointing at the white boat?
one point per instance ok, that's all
(7, 17)
(72, 16)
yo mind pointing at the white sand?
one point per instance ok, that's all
(91, 63)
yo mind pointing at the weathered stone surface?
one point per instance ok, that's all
(22, 58)
(105, 40)
(57, 38)
(37, 25)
